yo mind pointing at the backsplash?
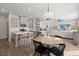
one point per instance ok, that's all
(65, 24)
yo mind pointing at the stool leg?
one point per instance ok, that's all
(21, 42)
(25, 41)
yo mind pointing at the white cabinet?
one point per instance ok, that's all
(31, 23)
(15, 21)
(62, 33)
(76, 37)
(25, 20)
(37, 23)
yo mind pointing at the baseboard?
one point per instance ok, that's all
(3, 38)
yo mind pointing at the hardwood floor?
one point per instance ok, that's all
(9, 49)
(71, 48)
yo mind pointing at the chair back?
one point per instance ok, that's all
(62, 47)
(36, 43)
(58, 51)
(39, 34)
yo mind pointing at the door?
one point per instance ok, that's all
(3, 26)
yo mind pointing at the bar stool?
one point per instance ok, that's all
(23, 39)
(31, 36)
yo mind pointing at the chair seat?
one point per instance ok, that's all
(41, 49)
(55, 51)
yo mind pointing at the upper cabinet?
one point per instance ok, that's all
(19, 21)
(24, 20)
(15, 21)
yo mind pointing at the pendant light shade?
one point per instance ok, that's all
(48, 15)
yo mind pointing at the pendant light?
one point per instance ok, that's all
(48, 15)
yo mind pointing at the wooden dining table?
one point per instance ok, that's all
(49, 40)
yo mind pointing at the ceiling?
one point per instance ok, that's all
(38, 9)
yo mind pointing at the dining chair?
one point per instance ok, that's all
(39, 34)
(58, 51)
(39, 48)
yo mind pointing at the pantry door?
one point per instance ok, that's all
(3, 26)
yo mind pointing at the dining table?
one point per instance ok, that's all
(49, 40)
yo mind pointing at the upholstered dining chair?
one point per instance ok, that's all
(39, 34)
(58, 51)
(39, 48)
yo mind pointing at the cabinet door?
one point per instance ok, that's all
(76, 37)
(25, 20)
(31, 23)
(15, 22)
(37, 23)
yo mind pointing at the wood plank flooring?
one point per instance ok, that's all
(9, 49)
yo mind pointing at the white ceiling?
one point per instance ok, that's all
(38, 9)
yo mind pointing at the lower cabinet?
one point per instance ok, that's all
(76, 38)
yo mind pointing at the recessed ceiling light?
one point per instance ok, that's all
(29, 9)
(2, 9)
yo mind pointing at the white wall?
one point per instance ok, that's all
(3, 26)
(65, 10)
